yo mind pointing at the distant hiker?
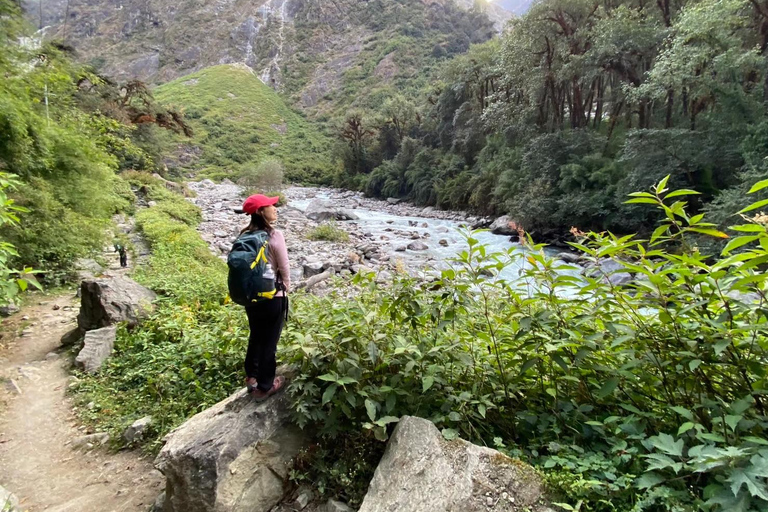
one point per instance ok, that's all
(259, 279)
(123, 255)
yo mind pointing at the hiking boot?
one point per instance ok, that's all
(277, 385)
(250, 384)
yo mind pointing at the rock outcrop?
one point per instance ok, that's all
(110, 300)
(504, 225)
(98, 345)
(233, 457)
(422, 472)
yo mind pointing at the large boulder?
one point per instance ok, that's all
(110, 300)
(98, 345)
(319, 210)
(422, 472)
(504, 225)
(233, 457)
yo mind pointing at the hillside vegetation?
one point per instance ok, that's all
(239, 122)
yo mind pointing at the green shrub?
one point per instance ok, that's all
(267, 175)
(329, 232)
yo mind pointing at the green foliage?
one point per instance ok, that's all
(267, 175)
(642, 396)
(188, 355)
(328, 231)
(239, 122)
(575, 106)
(12, 281)
(64, 158)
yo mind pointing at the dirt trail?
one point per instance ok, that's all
(38, 462)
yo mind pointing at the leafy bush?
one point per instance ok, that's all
(12, 281)
(641, 396)
(267, 175)
(329, 232)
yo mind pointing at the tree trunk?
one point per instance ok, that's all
(670, 107)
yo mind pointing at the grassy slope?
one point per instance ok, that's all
(238, 122)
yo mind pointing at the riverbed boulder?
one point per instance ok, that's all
(233, 457)
(98, 345)
(504, 225)
(313, 266)
(418, 246)
(422, 472)
(568, 257)
(319, 210)
(109, 300)
(611, 271)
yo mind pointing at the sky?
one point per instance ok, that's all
(516, 6)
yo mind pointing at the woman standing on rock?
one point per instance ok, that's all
(267, 315)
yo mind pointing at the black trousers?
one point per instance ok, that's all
(266, 322)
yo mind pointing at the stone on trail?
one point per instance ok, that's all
(110, 300)
(422, 472)
(90, 441)
(233, 457)
(137, 429)
(9, 309)
(335, 506)
(98, 345)
(8, 502)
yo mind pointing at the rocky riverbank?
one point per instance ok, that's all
(402, 236)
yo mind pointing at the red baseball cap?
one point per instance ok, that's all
(256, 202)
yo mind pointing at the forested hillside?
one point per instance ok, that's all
(65, 133)
(577, 105)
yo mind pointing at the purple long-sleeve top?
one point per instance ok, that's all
(278, 258)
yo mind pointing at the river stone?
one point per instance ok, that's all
(418, 246)
(313, 268)
(504, 225)
(346, 214)
(98, 345)
(233, 457)
(110, 300)
(611, 272)
(568, 257)
(394, 200)
(422, 472)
